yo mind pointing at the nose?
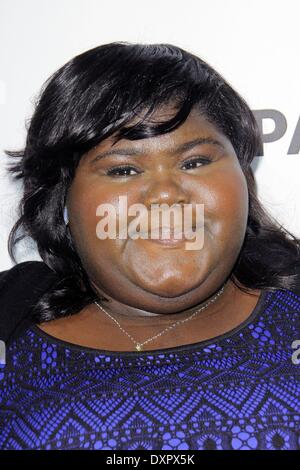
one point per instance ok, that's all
(165, 190)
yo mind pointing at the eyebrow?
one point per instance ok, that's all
(180, 148)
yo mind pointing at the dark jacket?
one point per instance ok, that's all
(20, 288)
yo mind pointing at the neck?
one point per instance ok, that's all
(132, 315)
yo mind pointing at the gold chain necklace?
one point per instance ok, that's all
(139, 346)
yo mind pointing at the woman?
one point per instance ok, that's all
(136, 343)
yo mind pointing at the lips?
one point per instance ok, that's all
(167, 234)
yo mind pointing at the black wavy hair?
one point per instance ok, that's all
(96, 95)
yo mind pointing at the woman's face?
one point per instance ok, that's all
(140, 272)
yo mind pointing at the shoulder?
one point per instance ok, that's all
(20, 289)
(295, 288)
(27, 271)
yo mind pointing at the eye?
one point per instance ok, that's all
(126, 170)
(121, 171)
(196, 162)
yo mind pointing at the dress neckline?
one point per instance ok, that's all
(177, 349)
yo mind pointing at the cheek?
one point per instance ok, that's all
(227, 205)
(82, 204)
(84, 197)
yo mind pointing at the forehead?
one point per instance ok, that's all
(195, 126)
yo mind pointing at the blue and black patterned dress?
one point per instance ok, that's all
(240, 390)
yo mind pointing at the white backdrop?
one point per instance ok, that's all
(254, 44)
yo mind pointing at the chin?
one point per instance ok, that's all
(171, 289)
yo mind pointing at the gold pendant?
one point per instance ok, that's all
(138, 347)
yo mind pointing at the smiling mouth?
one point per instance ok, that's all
(167, 241)
(167, 237)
